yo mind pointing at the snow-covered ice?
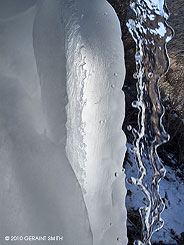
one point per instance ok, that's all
(62, 108)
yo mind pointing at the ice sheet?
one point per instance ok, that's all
(95, 143)
(61, 107)
(39, 192)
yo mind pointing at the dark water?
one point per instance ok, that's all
(151, 33)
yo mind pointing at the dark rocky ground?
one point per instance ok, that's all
(172, 85)
(172, 96)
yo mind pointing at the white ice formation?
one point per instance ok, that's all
(61, 112)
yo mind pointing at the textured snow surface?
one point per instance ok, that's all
(61, 107)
